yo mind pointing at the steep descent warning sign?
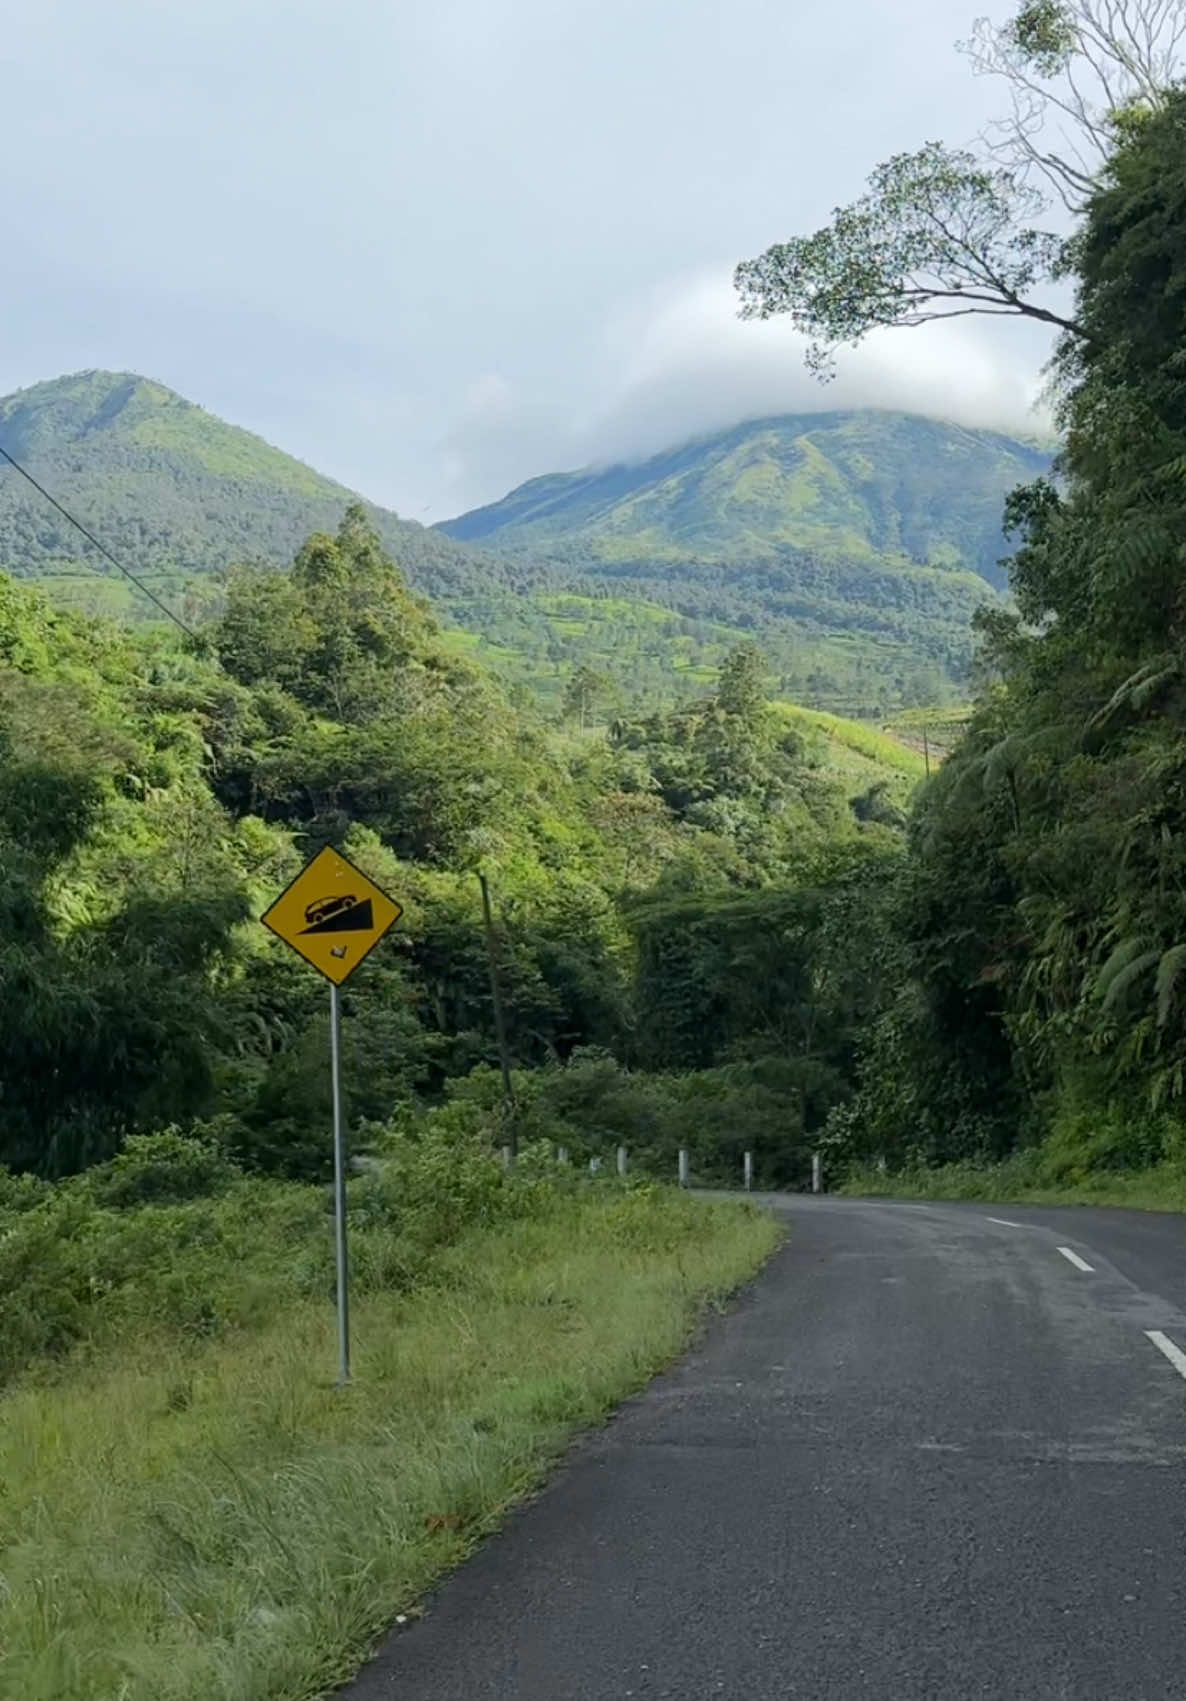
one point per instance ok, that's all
(332, 914)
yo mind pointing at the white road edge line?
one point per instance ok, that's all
(1004, 1222)
(1074, 1258)
(1163, 1344)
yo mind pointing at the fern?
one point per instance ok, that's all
(1141, 547)
(1129, 961)
(1168, 970)
(1139, 688)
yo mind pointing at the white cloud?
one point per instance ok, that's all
(439, 246)
(682, 363)
(698, 367)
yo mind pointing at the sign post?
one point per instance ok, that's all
(343, 1268)
(333, 916)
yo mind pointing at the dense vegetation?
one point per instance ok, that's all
(852, 545)
(190, 1507)
(175, 493)
(710, 932)
(664, 884)
(856, 546)
(1040, 935)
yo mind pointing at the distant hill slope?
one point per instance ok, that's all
(805, 533)
(858, 485)
(174, 491)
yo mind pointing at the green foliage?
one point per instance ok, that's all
(168, 1236)
(945, 232)
(676, 889)
(878, 490)
(585, 692)
(888, 751)
(75, 1269)
(1042, 918)
(592, 1105)
(110, 944)
(844, 538)
(1095, 1153)
(854, 545)
(1043, 34)
(938, 232)
(157, 1169)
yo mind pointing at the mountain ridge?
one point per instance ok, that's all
(852, 483)
(841, 555)
(174, 490)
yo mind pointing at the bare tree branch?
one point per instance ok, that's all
(1086, 60)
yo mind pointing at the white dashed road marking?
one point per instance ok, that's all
(1074, 1258)
(1163, 1344)
(1004, 1222)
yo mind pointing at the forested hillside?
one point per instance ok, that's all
(857, 546)
(712, 932)
(1039, 928)
(665, 886)
(173, 491)
(855, 486)
(851, 545)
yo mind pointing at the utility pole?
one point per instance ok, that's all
(500, 1027)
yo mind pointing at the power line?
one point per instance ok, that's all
(101, 547)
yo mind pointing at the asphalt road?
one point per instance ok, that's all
(926, 1458)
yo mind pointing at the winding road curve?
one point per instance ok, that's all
(936, 1452)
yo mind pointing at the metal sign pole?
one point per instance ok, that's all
(335, 1048)
(333, 915)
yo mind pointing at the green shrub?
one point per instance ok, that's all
(73, 1270)
(170, 1237)
(1106, 1137)
(160, 1169)
(593, 1104)
(19, 1193)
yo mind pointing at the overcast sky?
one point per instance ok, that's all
(436, 247)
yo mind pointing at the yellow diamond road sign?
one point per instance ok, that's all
(332, 914)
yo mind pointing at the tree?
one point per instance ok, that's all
(944, 232)
(334, 632)
(1081, 66)
(586, 687)
(1043, 912)
(741, 682)
(937, 236)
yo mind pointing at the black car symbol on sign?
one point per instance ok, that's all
(325, 907)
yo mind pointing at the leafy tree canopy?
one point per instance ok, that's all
(943, 232)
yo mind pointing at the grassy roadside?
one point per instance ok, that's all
(214, 1522)
(1162, 1187)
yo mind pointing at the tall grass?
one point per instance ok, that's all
(1161, 1187)
(187, 1520)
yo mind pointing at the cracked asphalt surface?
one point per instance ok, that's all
(924, 1458)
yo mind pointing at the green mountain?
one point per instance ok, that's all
(854, 547)
(857, 486)
(174, 492)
